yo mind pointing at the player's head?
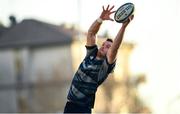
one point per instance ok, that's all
(105, 47)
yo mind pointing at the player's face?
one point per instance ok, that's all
(105, 47)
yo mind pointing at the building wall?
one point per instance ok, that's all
(35, 79)
(51, 71)
(8, 102)
(51, 63)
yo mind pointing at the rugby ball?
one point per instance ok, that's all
(123, 12)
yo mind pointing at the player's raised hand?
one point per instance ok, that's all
(105, 15)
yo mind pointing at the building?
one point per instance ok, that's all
(35, 67)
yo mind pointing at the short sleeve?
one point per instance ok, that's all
(90, 49)
(105, 70)
(110, 66)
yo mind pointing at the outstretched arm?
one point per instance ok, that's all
(112, 52)
(94, 28)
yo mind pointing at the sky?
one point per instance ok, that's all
(154, 30)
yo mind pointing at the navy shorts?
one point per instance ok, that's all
(76, 108)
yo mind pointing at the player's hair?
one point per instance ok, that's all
(109, 39)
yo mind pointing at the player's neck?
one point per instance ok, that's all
(99, 56)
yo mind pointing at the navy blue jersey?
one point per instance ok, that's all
(90, 74)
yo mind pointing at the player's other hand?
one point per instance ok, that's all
(105, 15)
(128, 21)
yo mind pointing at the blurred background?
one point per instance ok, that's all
(42, 43)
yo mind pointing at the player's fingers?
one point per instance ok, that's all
(112, 12)
(107, 7)
(103, 8)
(111, 19)
(131, 17)
(111, 8)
